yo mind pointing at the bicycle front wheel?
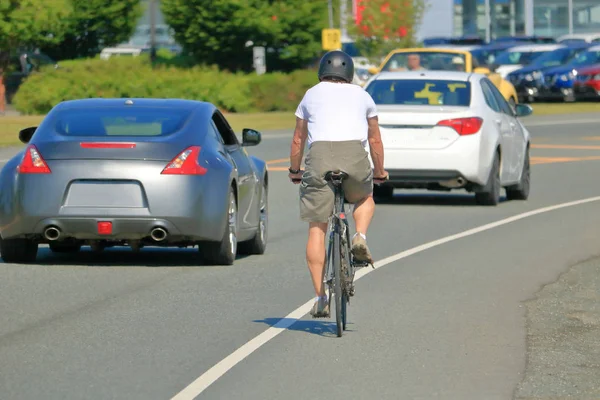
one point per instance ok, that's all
(337, 283)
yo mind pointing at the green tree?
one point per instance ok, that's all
(94, 24)
(386, 25)
(297, 33)
(222, 32)
(30, 23)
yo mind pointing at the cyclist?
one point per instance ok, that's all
(339, 121)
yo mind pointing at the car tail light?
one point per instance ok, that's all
(186, 163)
(463, 126)
(33, 163)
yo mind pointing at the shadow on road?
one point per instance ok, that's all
(124, 257)
(434, 199)
(320, 327)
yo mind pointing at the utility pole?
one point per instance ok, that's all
(152, 31)
(343, 19)
(330, 4)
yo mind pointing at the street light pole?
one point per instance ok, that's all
(330, 5)
(343, 18)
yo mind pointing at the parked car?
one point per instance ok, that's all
(520, 56)
(22, 64)
(134, 172)
(528, 80)
(579, 38)
(558, 81)
(486, 55)
(444, 130)
(587, 83)
(524, 39)
(440, 59)
(461, 41)
(123, 50)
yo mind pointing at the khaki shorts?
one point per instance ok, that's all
(316, 195)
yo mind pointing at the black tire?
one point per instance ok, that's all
(18, 251)
(258, 244)
(64, 247)
(225, 251)
(337, 282)
(383, 192)
(490, 195)
(521, 190)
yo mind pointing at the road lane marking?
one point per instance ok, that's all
(277, 168)
(564, 147)
(209, 377)
(534, 161)
(552, 160)
(278, 161)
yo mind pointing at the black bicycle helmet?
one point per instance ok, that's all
(337, 64)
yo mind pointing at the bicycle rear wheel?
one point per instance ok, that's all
(337, 282)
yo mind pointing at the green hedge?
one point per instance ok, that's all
(134, 77)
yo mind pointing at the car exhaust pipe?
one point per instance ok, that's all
(454, 183)
(52, 233)
(158, 234)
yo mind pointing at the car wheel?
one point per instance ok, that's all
(259, 243)
(490, 195)
(383, 192)
(64, 247)
(521, 190)
(18, 251)
(224, 252)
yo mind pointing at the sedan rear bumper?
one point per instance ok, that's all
(179, 229)
(416, 168)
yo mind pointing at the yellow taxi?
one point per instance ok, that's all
(430, 58)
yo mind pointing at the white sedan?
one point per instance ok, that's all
(445, 130)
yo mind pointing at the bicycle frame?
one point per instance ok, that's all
(338, 225)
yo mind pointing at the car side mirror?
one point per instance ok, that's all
(26, 134)
(373, 70)
(250, 137)
(523, 110)
(482, 70)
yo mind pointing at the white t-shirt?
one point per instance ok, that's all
(337, 112)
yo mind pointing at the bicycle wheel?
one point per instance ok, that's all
(337, 281)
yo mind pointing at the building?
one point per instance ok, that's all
(509, 17)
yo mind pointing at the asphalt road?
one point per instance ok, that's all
(448, 321)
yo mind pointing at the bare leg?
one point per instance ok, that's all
(315, 254)
(363, 214)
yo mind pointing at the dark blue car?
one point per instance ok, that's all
(529, 80)
(558, 81)
(485, 55)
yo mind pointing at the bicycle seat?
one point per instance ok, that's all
(335, 176)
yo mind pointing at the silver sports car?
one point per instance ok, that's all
(134, 172)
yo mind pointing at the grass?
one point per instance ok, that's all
(10, 126)
(564, 108)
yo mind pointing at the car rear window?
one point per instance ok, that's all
(420, 92)
(120, 121)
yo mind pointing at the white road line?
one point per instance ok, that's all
(214, 373)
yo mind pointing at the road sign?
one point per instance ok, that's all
(331, 39)
(258, 53)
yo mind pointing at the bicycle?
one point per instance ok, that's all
(340, 261)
